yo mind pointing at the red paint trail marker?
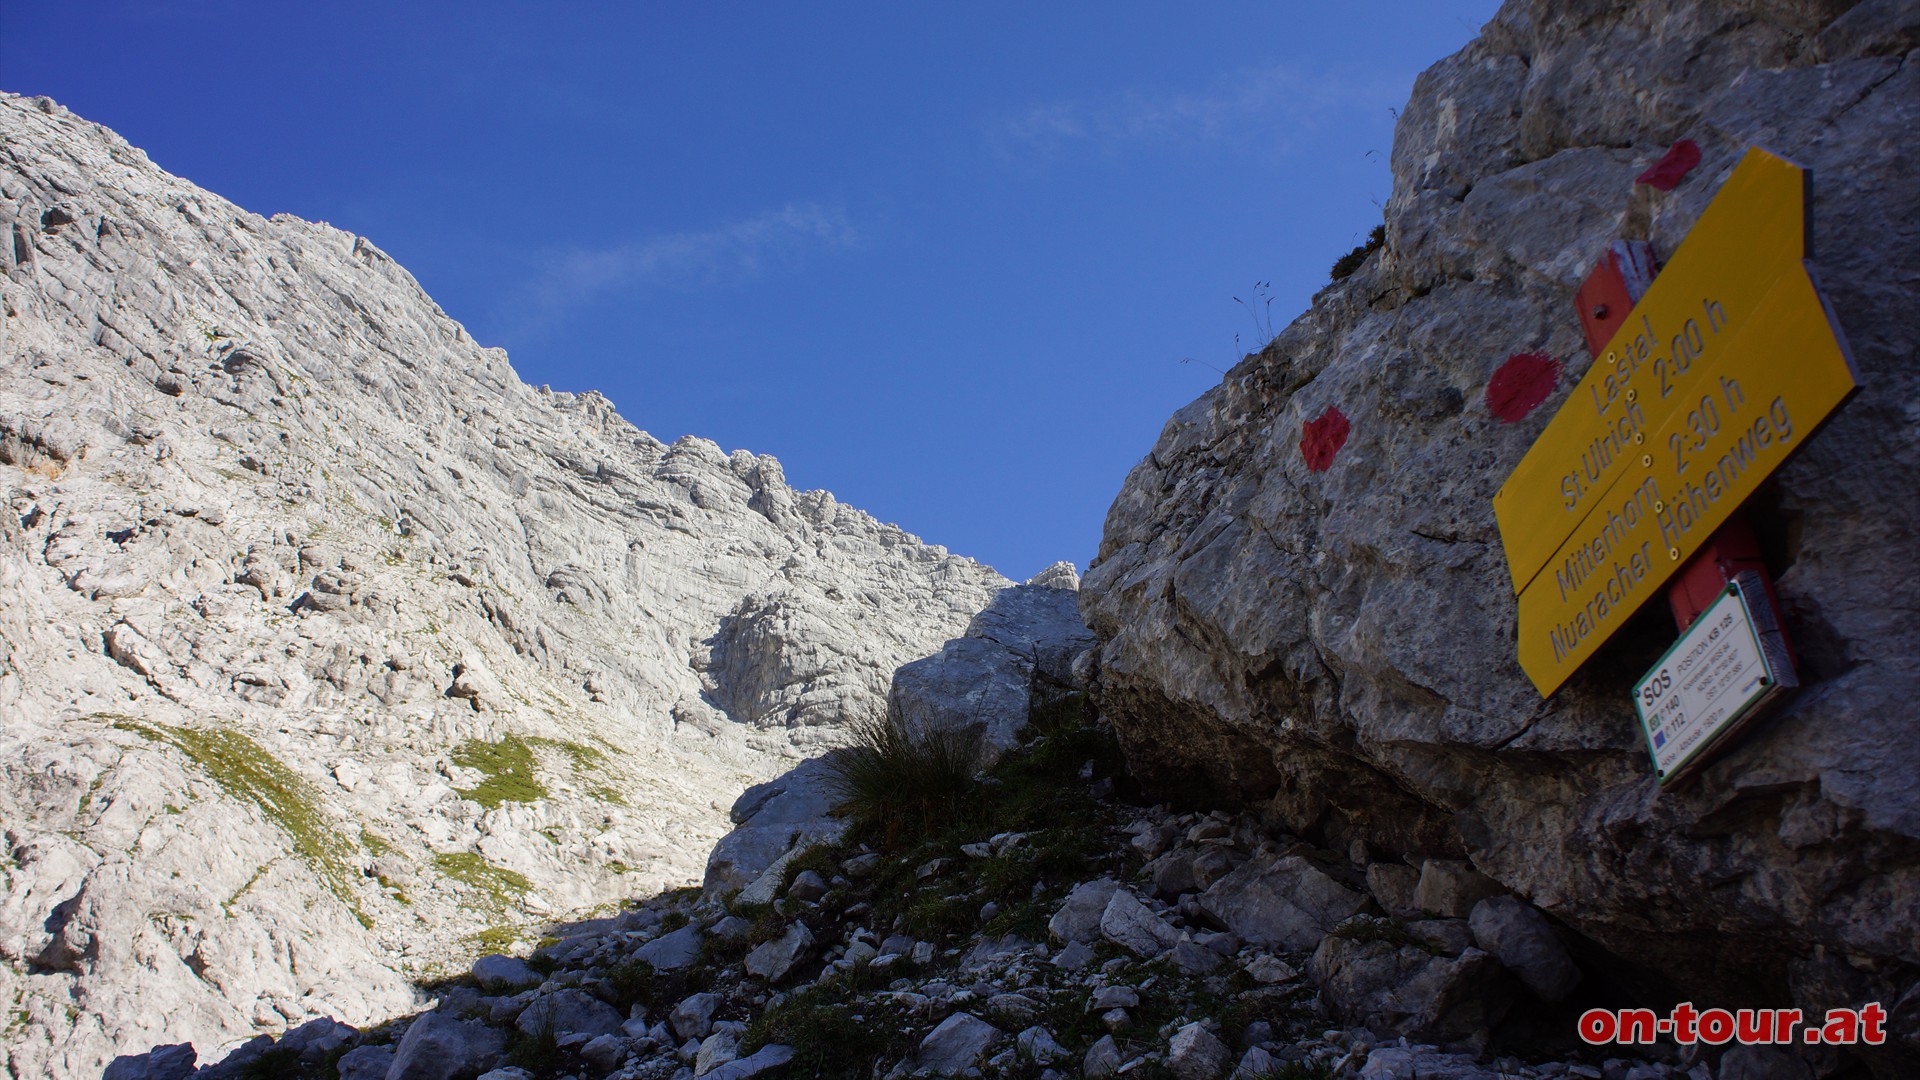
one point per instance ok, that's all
(1521, 384)
(1322, 438)
(1667, 173)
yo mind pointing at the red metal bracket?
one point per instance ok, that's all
(1616, 283)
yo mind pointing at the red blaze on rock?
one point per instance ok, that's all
(1521, 384)
(1672, 168)
(1322, 438)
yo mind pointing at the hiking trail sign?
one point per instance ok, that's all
(1719, 374)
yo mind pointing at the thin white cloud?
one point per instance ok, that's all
(726, 255)
(1260, 104)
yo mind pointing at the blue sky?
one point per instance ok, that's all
(955, 263)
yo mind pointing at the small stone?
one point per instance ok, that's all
(692, 1018)
(1210, 829)
(1172, 874)
(1079, 916)
(1392, 884)
(861, 867)
(1254, 1064)
(505, 973)
(1227, 945)
(766, 1059)
(1520, 937)
(1152, 840)
(774, 960)
(1076, 955)
(672, 951)
(604, 1053)
(808, 887)
(1103, 1058)
(956, 1045)
(1450, 888)
(1285, 901)
(1128, 923)
(730, 928)
(1195, 960)
(1037, 1044)
(1014, 1008)
(568, 1012)
(437, 1046)
(1195, 1054)
(1115, 1019)
(1210, 866)
(716, 1050)
(173, 1062)
(365, 1063)
(1115, 997)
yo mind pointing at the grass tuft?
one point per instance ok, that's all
(1345, 265)
(908, 784)
(830, 1038)
(537, 1051)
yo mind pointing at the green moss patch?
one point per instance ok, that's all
(502, 887)
(509, 772)
(246, 771)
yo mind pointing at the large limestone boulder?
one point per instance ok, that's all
(1339, 644)
(1017, 652)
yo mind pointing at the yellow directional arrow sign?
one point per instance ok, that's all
(1723, 370)
(1752, 234)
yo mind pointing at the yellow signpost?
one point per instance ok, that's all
(1723, 369)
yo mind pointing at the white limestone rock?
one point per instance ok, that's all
(1078, 919)
(265, 503)
(1020, 645)
(956, 1045)
(1133, 926)
(1194, 1053)
(440, 1047)
(1286, 901)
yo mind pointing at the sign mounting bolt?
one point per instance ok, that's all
(1673, 552)
(1646, 461)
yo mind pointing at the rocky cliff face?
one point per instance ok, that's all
(326, 644)
(1338, 646)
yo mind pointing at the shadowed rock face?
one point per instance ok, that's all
(326, 642)
(1339, 645)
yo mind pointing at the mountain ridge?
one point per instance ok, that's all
(498, 654)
